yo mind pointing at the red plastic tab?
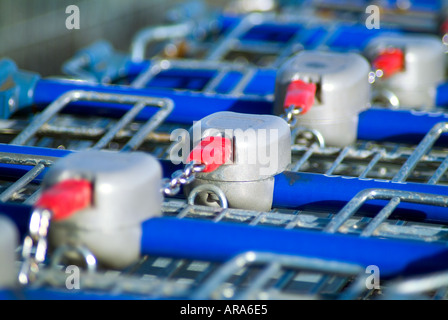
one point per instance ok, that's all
(390, 61)
(444, 26)
(66, 197)
(213, 152)
(300, 94)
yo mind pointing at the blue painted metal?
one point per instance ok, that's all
(404, 126)
(299, 190)
(15, 88)
(204, 240)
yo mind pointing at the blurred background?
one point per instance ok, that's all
(33, 32)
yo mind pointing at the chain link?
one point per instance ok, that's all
(35, 245)
(172, 186)
(289, 115)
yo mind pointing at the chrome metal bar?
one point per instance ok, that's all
(259, 282)
(304, 158)
(380, 217)
(33, 198)
(378, 156)
(211, 86)
(22, 182)
(424, 146)
(157, 119)
(416, 286)
(382, 194)
(338, 160)
(249, 258)
(159, 33)
(244, 81)
(154, 69)
(439, 172)
(232, 38)
(125, 120)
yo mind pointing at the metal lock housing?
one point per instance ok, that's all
(342, 92)
(261, 149)
(424, 68)
(9, 241)
(126, 192)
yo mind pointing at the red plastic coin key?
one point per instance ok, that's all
(212, 152)
(390, 61)
(301, 95)
(65, 198)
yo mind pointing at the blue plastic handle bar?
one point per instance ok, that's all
(442, 95)
(293, 190)
(20, 214)
(298, 190)
(189, 106)
(403, 126)
(205, 240)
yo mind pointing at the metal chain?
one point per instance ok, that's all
(289, 115)
(35, 245)
(171, 186)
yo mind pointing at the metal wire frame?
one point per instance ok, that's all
(431, 286)
(250, 275)
(221, 68)
(152, 34)
(243, 277)
(275, 275)
(105, 136)
(174, 272)
(213, 52)
(257, 275)
(399, 163)
(177, 277)
(229, 46)
(229, 42)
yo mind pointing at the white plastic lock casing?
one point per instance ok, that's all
(126, 192)
(261, 148)
(424, 68)
(343, 91)
(9, 241)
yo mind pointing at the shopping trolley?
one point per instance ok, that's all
(234, 273)
(259, 218)
(262, 37)
(299, 219)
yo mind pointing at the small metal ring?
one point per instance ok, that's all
(388, 95)
(316, 134)
(210, 188)
(88, 256)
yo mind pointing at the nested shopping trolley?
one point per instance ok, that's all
(381, 195)
(251, 273)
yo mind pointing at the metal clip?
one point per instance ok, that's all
(171, 186)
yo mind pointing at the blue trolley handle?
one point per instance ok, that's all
(204, 240)
(291, 189)
(219, 242)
